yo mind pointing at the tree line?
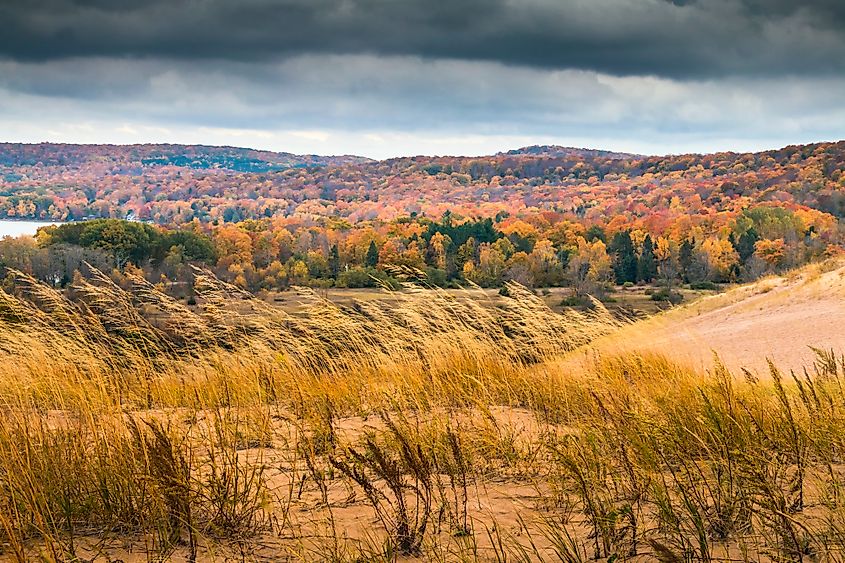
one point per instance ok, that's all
(450, 251)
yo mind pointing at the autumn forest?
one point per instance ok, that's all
(541, 216)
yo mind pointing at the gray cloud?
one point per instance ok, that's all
(391, 77)
(387, 106)
(677, 38)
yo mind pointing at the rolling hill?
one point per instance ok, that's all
(172, 184)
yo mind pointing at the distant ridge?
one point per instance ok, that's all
(558, 151)
(190, 156)
(243, 159)
(175, 184)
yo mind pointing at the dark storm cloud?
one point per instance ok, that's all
(673, 38)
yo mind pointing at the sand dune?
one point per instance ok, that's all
(778, 318)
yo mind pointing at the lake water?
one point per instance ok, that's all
(10, 228)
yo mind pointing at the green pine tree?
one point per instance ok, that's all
(647, 264)
(371, 260)
(334, 261)
(625, 259)
(685, 258)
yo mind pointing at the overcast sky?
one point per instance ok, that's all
(385, 78)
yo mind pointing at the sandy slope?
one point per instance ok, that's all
(777, 318)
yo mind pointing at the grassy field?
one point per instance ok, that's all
(419, 425)
(635, 300)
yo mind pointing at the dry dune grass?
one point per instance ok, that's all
(422, 426)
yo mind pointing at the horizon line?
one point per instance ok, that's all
(503, 152)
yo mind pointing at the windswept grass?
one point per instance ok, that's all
(419, 426)
(139, 348)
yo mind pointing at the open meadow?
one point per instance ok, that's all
(421, 425)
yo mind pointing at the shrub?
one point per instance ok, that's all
(704, 285)
(357, 278)
(436, 277)
(576, 301)
(664, 294)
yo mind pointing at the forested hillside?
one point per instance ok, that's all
(540, 215)
(172, 184)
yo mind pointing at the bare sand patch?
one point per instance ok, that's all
(779, 318)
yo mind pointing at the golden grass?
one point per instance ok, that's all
(422, 425)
